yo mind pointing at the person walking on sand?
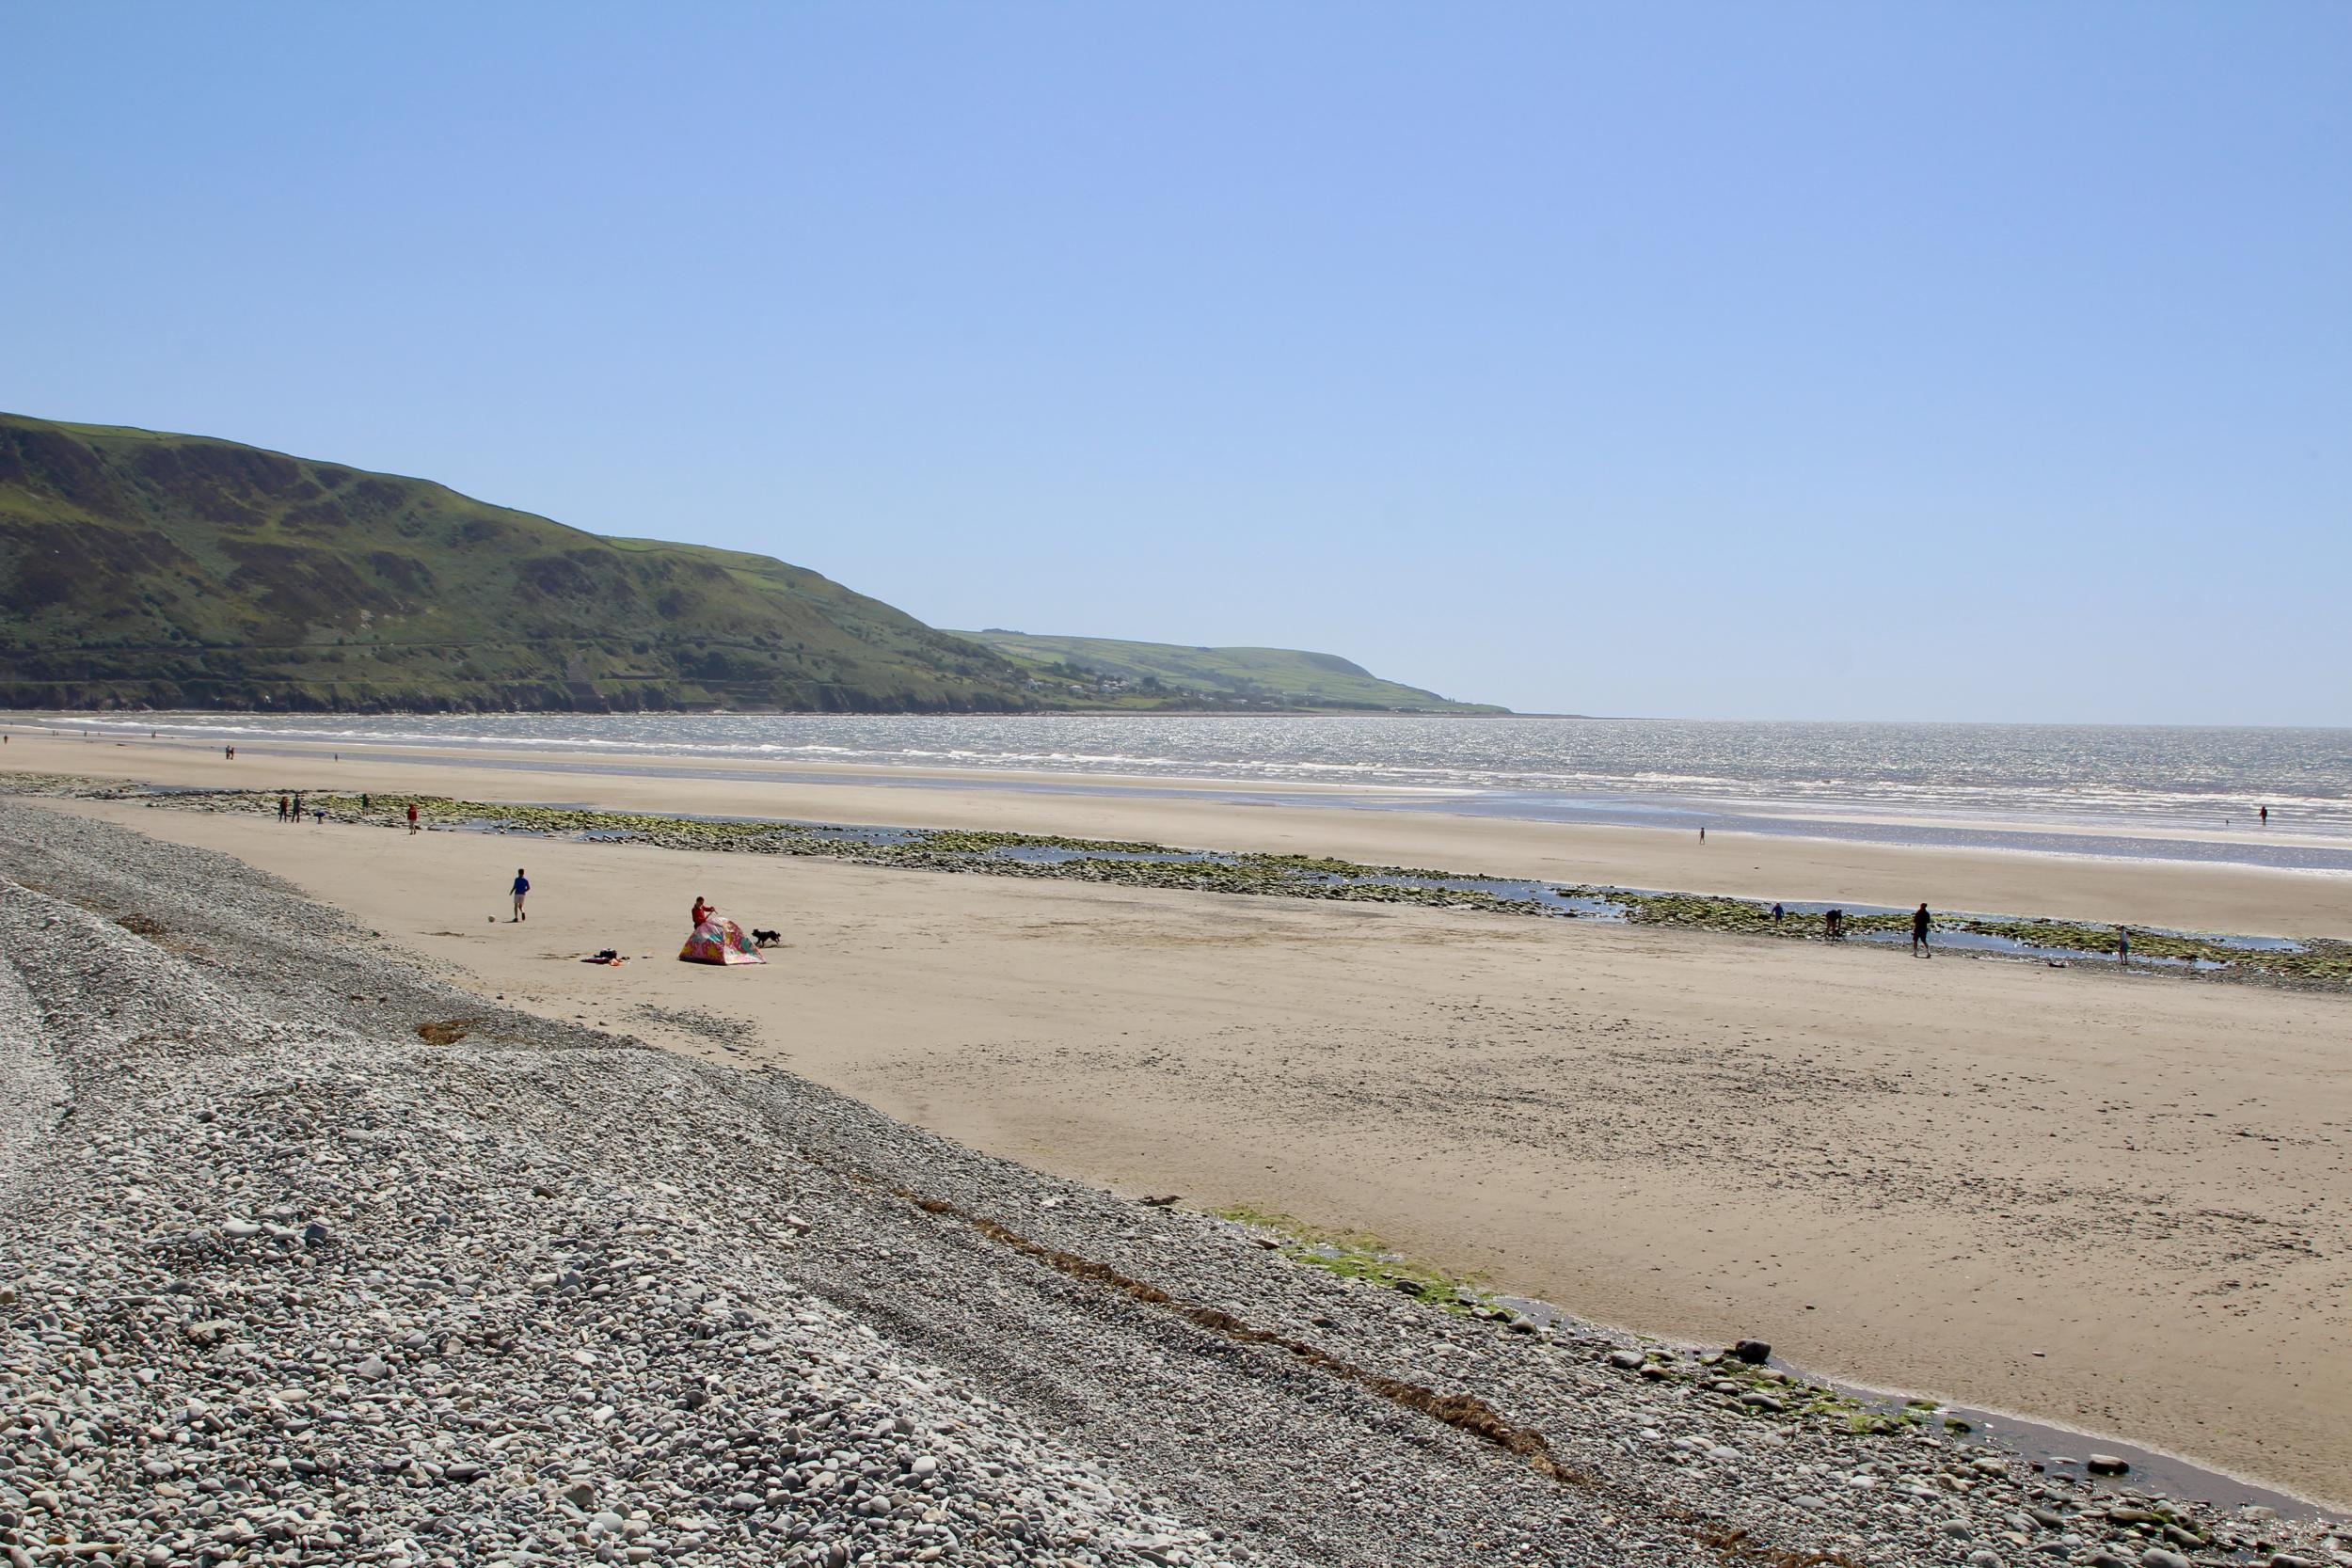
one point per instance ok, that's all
(1920, 921)
(522, 885)
(281, 808)
(412, 816)
(2265, 816)
(2123, 946)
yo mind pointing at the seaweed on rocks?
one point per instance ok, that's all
(1131, 864)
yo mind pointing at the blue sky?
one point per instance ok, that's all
(1782, 360)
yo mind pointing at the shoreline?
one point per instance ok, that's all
(1001, 1048)
(2185, 896)
(2163, 839)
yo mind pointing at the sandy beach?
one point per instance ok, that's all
(2219, 898)
(2117, 1202)
(379, 1270)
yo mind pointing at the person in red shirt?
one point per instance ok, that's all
(703, 911)
(412, 816)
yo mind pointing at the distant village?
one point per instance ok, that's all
(1104, 685)
(1078, 681)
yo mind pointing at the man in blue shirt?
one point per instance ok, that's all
(522, 885)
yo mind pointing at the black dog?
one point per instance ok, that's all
(764, 939)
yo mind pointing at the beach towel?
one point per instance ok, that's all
(719, 941)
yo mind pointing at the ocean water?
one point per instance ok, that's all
(2185, 793)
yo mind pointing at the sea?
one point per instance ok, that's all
(2105, 791)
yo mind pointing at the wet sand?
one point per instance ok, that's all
(2221, 898)
(2119, 1202)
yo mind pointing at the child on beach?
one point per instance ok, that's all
(412, 816)
(522, 885)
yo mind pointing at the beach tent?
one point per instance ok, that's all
(719, 941)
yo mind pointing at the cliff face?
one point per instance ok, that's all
(179, 571)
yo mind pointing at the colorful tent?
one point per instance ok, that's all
(719, 941)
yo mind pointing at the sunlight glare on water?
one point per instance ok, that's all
(2108, 777)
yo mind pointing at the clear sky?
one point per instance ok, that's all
(1779, 360)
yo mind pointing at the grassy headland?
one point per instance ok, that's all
(141, 569)
(1150, 675)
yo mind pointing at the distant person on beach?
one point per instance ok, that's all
(318, 815)
(1778, 915)
(1920, 921)
(298, 808)
(2266, 815)
(1702, 835)
(412, 816)
(365, 805)
(522, 885)
(1834, 925)
(282, 804)
(2123, 948)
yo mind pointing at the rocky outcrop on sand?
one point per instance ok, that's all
(307, 1257)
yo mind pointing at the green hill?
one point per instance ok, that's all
(179, 571)
(1162, 673)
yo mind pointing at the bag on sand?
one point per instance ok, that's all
(719, 941)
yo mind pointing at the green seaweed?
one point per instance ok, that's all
(1358, 1255)
(975, 851)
